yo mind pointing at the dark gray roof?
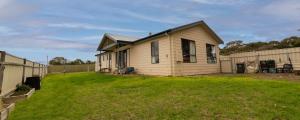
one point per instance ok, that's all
(129, 39)
(202, 23)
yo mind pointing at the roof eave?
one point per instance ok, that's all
(181, 28)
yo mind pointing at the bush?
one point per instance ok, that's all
(21, 88)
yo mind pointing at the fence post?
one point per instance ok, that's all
(40, 70)
(2, 67)
(232, 66)
(24, 67)
(32, 69)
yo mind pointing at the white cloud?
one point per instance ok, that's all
(4, 3)
(287, 9)
(6, 31)
(12, 9)
(91, 27)
(221, 2)
(45, 43)
(160, 19)
(94, 38)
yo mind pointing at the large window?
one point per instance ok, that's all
(211, 54)
(188, 51)
(154, 52)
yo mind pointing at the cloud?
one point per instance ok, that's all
(93, 38)
(159, 19)
(221, 2)
(6, 31)
(12, 9)
(90, 27)
(287, 9)
(31, 42)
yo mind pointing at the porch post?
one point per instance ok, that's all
(118, 60)
(100, 61)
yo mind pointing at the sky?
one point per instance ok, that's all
(35, 29)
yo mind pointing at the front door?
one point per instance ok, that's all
(122, 59)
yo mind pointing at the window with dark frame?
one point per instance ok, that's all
(154, 52)
(188, 51)
(211, 54)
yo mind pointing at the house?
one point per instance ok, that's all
(185, 50)
(58, 61)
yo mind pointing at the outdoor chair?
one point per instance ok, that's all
(287, 68)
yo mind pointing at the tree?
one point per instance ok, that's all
(76, 62)
(58, 61)
(236, 43)
(238, 46)
(89, 62)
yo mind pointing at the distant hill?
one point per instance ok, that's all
(238, 45)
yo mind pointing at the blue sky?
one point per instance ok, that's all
(73, 28)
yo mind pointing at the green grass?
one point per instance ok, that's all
(92, 96)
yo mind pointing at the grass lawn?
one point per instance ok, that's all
(93, 96)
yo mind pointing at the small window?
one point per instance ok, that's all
(211, 54)
(154, 52)
(188, 51)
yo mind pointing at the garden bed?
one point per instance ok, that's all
(9, 102)
(7, 109)
(17, 96)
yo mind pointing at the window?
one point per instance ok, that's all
(188, 51)
(154, 52)
(211, 54)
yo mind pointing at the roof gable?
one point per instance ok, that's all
(116, 38)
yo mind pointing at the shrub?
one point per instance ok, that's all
(21, 88)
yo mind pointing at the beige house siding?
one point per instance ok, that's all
(140, 57)
(97, 64)
(170, 52)
(105, 62)
(201, 38)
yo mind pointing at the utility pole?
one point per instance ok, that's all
(47, 60)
